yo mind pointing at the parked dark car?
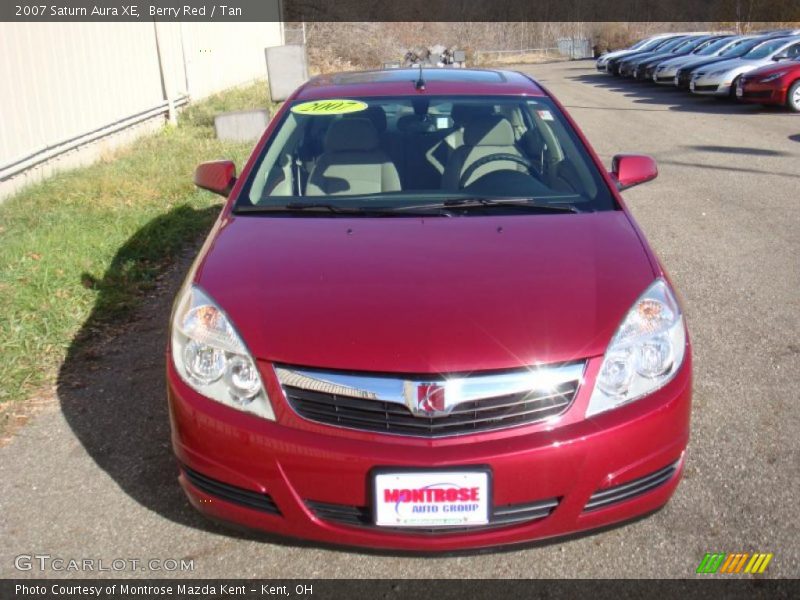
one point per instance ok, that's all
(615, 64)
(635, 68)
(640, 46)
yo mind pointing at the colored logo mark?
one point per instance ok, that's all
(744, 562)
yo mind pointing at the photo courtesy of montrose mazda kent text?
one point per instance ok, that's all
(425, 320)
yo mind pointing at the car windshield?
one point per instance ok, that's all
(659, 45)
(669, 46)
(765, 49)
(690, 44)
(714, 47)
(402, 152)
(641, 44)
(741, 48)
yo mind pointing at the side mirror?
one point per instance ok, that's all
(628, 170)
(217, 176)
(781, 56)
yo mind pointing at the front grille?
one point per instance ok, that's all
(502, 516)
(761, 94)
(631, 489)
(466, 417)
(665, 78)
(706, 88)
(231, 493)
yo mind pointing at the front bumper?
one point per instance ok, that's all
(645, 73)
(706, 87)
(762, 93)
(304, 483)
(665, 76)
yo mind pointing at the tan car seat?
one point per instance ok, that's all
(352, 162)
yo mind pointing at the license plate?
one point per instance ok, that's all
(739, 91)
(691, 85)
(431, 498)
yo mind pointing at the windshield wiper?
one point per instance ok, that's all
(479, 202)
(327, 207)
(437, 208)
(298, 207)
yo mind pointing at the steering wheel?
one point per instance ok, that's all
(493, 158)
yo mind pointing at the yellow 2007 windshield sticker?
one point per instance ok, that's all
(329, 107)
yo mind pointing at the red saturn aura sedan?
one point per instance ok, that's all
(425, 320)
(775, 84)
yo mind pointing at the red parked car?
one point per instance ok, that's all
(425, 320)
(777, 84)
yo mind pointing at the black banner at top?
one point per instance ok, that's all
(543, 10)
(761, 11)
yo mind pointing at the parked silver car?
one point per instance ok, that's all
(666, 71)
(720, 79)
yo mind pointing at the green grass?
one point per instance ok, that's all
(93, 240)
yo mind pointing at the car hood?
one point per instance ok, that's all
(637, 56)
(615, 54)
(710, 61)
(688, 61)
(776, 67)
(737, 63)
(429, 295)
(678, 61)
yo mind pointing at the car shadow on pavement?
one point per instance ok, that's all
(111, 386)
(670, 97)
(738, 150)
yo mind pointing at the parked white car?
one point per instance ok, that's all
(720, 79)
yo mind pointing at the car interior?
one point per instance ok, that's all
(421, 144)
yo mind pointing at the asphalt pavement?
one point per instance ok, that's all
(92, 476)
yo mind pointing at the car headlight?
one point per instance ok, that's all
(773, 77)
(212, 359)
(717, 73)
(645, 352)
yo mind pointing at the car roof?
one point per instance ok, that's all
(402, 82)
(783, 39)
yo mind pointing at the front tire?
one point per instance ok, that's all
(734, 85)
(793, 97)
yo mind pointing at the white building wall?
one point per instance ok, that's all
(69, 91)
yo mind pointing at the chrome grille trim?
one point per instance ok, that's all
(469, 403)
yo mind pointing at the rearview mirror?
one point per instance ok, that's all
(217, 176)
(628, 170)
